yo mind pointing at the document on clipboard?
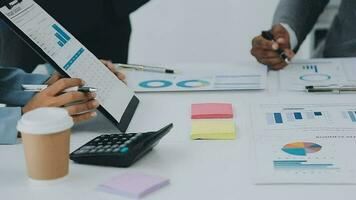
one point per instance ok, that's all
(63, 51)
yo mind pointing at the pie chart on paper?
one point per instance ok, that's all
(301, 148)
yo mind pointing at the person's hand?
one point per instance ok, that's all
(112, 68)
(265, 51)
(79, 105)
(54, 78)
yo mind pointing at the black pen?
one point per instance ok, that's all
(39, 88)
(269, 36)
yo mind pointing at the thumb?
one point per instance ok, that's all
(290, 53)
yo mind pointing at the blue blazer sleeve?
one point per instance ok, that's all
(9, 117)
(11, 80)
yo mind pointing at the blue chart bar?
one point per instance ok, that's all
(60, 43)
(278, 118)
(352, 116)
(318, 113)
(60, 31)
(298, 115)
(73, 59)
(60, 38)
(300, 164)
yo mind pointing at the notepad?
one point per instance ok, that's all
(212, 110)
(133, 184)
(213, 129)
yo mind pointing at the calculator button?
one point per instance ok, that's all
(107, 146)
(87, 147)
(81, 151)
(118, 142)
(100, 143)
(92, 151)
(109, 143)
(108, 150)
(124, 150)
(115, 146)
(116, 150)
(97, 140)
(99, 147)
(106, 139)
(100, 150)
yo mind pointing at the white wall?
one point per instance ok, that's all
(203, 31)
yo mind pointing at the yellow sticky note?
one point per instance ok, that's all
(213, 129)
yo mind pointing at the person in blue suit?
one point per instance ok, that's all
(19, 102)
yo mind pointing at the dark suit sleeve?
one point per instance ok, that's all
(300, 15)
(126, 7)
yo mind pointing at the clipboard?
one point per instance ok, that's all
(69, 57)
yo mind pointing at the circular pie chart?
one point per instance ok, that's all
(301, 148)
(193, 83)
(156, 84)
(315, 77)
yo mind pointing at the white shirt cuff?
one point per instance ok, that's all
(292, 35)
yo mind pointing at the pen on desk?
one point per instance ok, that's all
(39, 88)
(330, 89)
(147, 68)
(269, 36)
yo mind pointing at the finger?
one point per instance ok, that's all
(84, 117)
(272, 62)
(121, 76)
(83, 107)
(290, 53)
(55, 77)
(260, 54)
(278, 66)
(72, 97)
(62, 84)
(261, 43)
(109, 65)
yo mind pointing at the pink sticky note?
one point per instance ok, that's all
(212, 111)
(133, 184)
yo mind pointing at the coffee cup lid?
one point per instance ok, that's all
(45, 121)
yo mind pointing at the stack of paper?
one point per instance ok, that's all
(213, 121)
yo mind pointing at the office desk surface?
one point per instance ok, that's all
(197, 169)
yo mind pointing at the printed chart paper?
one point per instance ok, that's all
(241, 78)
(318, 72)
(305, 143)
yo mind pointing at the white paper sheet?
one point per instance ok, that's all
(303, 73)
(239, 78)
(305, 143)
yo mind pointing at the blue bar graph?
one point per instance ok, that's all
(352, 116)
(278, 118)
(298, 115)
(73, 59)
(316, 69)
(318, 113)
(61, 35)
(300, 164)
(60, 31)
(60, 43)
(60, 38)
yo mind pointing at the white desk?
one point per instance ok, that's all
(197, 169)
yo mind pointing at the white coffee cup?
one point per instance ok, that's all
(46, 135)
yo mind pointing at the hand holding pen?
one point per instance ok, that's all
(273, 48)
(64, 93)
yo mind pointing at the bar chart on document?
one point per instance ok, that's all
(305, 143)
(281, 117)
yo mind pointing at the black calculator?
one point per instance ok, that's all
(118, 150)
